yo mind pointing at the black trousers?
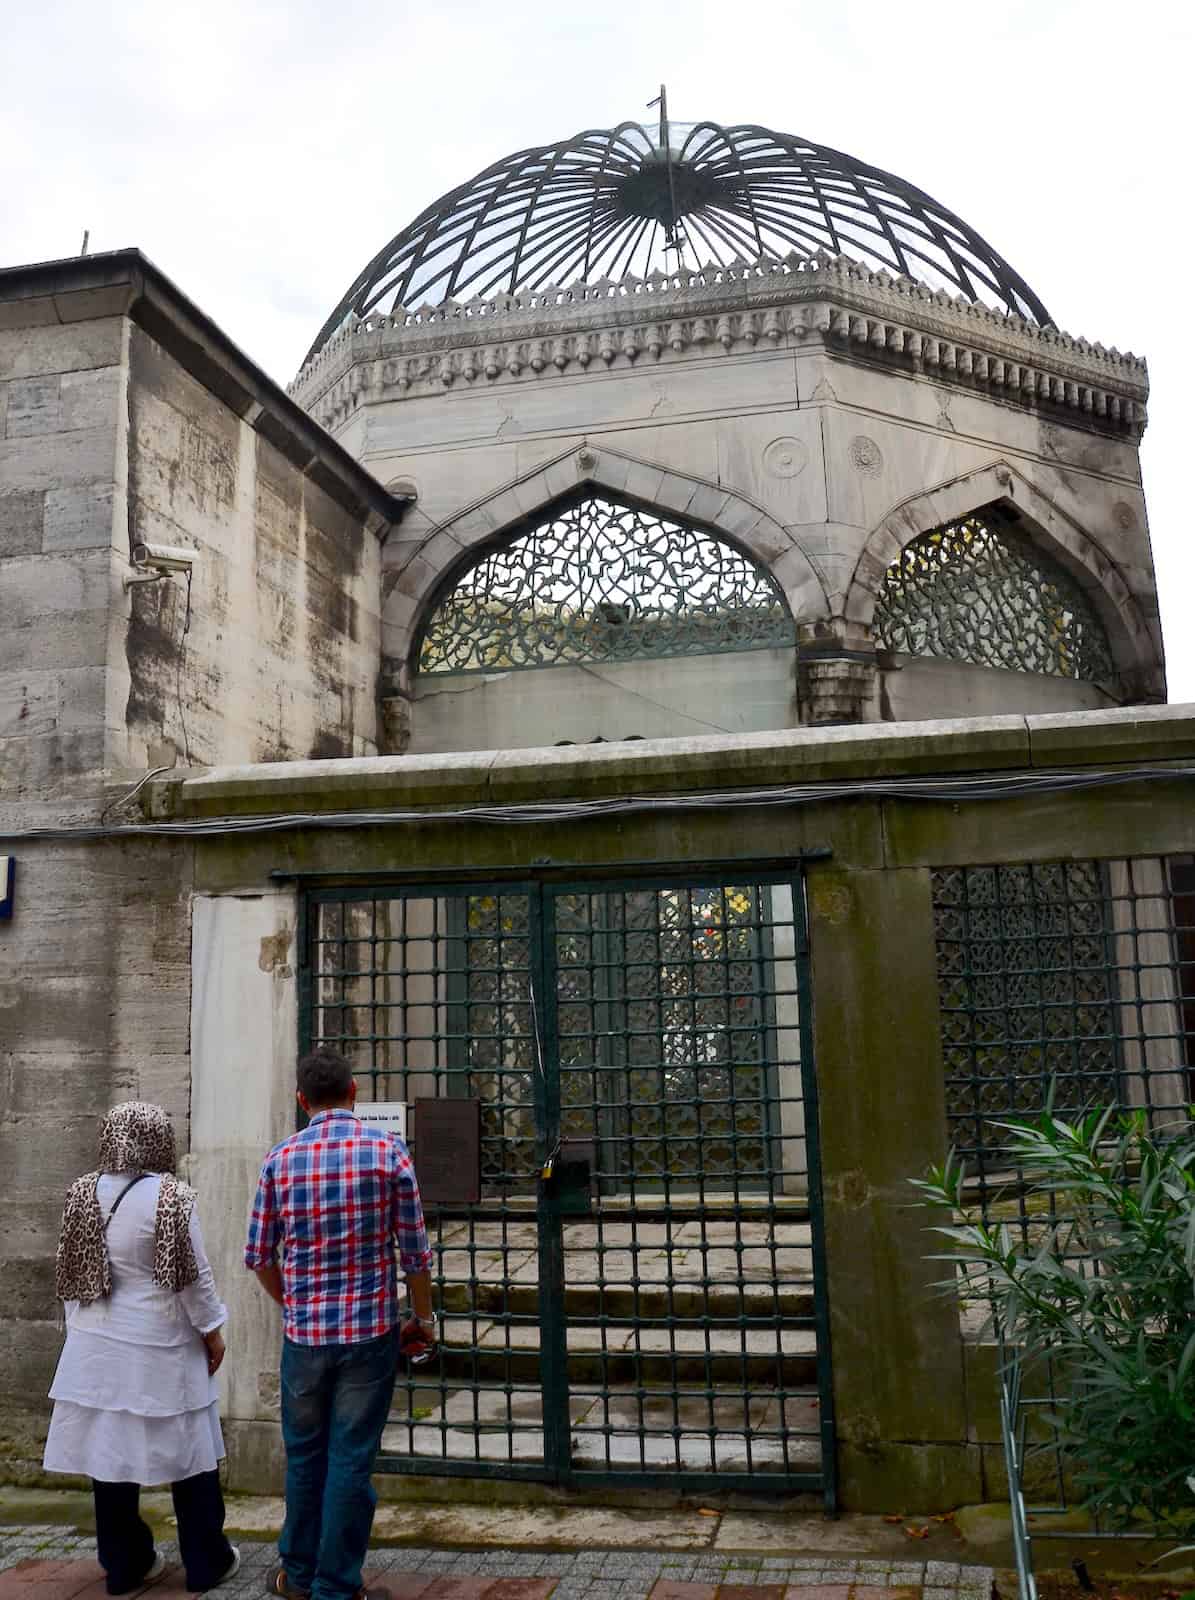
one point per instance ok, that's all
(125, 1545)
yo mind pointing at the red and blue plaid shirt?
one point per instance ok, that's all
(336, 1198)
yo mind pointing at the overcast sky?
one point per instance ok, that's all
(261, 152)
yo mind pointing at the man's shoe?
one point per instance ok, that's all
(278, 1583)
(373, 1591)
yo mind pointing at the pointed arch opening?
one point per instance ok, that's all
(598, 579)
(981, 591)
(601, 617)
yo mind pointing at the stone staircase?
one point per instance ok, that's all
(664, 1373)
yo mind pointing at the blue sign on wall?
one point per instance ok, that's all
(8, 873)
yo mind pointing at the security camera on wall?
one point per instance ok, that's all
(155, 561)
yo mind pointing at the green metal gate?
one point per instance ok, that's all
(640, 1291)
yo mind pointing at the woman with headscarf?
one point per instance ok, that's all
(135, 1392)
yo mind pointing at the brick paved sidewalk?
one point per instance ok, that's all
(45, 1562)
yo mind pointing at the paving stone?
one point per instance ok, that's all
(519, 1588)
(818, 1591)
(36, 1579)
(668, 1589)
(451, 1586)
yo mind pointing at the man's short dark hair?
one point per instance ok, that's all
(324, 1078)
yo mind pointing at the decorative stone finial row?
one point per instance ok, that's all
(556, 307)
(1063, 380)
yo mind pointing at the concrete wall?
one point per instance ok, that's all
(913, 1400)
(914, 688)
(743, 691)
(739, 692)
(125, 956)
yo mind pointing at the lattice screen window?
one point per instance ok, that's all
(980, 591)
(600, 581)
(1025, 992)
(1078, 975)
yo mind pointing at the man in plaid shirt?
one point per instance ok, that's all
(336, 1199)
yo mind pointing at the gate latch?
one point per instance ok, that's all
(570, 1167)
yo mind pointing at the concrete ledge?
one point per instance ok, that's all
(1146, 737)
(1135, 734)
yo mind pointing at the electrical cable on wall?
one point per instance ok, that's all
(178, 675)
(948, 791)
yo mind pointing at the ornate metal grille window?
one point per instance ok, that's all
(1026, 992)
(979, 591)
(600, 581)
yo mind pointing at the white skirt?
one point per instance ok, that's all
(123, 1447)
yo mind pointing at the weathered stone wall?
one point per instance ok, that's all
(62, 427)
(112, 433)
(280, 658)
(94, 990)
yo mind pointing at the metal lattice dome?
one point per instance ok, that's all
(634, 199)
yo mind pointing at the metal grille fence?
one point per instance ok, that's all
(1070, 979)
(656, 1305)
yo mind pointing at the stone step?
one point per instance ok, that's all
(615, 1428)
(619, 1352)
(630, 1301)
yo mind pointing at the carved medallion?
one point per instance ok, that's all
(1126, 517)
(785, 458)
(866, 456)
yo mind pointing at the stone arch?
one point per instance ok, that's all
(415, 583)
(1059, 536)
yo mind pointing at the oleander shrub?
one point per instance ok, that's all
(1095, 1280)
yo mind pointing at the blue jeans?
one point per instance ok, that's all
(335, 1400)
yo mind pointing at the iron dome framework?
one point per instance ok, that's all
(633, 199)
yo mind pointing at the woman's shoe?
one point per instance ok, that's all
(234, 1566)
(157, 1568)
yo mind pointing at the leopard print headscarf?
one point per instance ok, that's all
(135, 1137)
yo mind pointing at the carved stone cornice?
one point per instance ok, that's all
(845, 306)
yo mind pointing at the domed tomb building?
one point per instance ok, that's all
(712, 429)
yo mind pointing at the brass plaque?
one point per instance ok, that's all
(447, 1151)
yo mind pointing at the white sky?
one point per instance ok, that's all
(260, 152)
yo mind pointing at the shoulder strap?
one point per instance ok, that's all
(131, 1184)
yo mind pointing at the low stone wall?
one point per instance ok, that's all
(913, 1401)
